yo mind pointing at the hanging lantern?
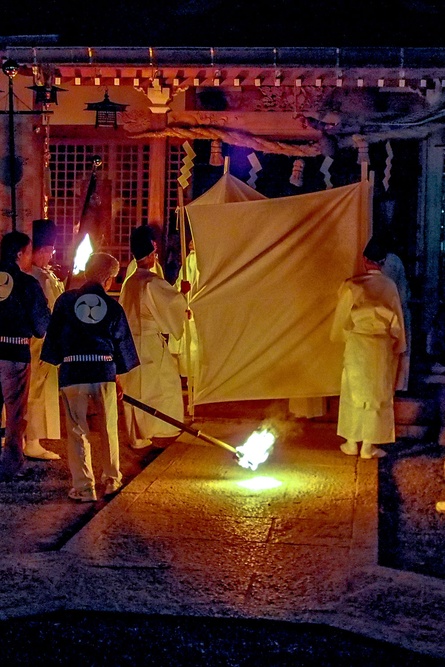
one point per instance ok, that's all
(10, 68)
(106, 111)
(46, 94)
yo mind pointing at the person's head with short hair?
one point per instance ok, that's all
(142, 242)
(43, 240)
(43, 233)
(16, 247)
(101, 268)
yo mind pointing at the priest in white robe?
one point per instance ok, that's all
(369, 320)
(133, 265)
(394, 269)
(43, 413)
(178, 348)
(153, 308)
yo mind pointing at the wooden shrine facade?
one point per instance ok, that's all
(291, 120)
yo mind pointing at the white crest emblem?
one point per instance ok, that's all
(90, 308)
(6, 285)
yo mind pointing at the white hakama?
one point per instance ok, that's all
(369, 319)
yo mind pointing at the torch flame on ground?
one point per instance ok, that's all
(256, 449)
(83, 252)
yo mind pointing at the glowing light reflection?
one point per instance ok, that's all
(260, 483)
(83, 252)
(256, 449)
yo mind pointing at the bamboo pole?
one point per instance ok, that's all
(371, 201)
(190, 406)
(174, 422)
(367, 181)
(365, 224)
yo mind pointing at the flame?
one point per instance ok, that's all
(83, 252)
(256, 449)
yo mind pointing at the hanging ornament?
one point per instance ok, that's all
(216, 158)
(256, 167)
(388, 163)
(297, 173)
(362, 146)
(325, 167)
(187, 165)
(46, 168)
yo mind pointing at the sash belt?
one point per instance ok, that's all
(14, 340)
(88, 357)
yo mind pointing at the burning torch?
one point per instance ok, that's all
(85, 248)
(251, 454)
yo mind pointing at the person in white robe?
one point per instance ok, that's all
(153, 308)
(133, 265)
(178, 348)
(43, 413)
(369, 319)
(394, 269)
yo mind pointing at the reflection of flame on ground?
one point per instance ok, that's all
(260, 483)
(256, 449)
(83, 252)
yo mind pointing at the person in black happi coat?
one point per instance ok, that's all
(24, 313)
(89, 337)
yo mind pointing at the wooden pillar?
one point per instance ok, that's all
(28, 148)
(432, 167)
(156, 189)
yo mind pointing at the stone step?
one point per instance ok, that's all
(415, 416)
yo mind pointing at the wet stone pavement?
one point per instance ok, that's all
(411, 532)
(336, 561)
(35, 512)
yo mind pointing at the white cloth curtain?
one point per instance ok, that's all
(269, 272)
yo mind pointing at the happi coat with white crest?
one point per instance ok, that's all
(89, 338)
(369, 319)
(43, 414)
(153, 307)
(24, 314)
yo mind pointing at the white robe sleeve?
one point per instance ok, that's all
(168, 306)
